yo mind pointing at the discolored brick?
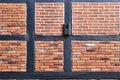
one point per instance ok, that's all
(47, 57)
(12, 60)
(13, 19)
(101, 59)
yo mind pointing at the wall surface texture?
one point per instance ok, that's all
(12, 22)
(87, 19)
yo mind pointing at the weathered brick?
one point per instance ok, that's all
(95, 56)
(12, 59)
(12, 19)
(49, 56)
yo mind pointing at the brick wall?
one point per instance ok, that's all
(49, 19)
(12, 56)
(49, 22)
(12, 19)
(87, 19)
(96, 56)
(49, 56)
(12, 22)
(95, 18)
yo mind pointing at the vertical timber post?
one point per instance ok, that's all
(30, 33)
(67, 41)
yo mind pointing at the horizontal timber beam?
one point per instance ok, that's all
(60, 75)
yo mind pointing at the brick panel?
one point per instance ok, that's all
(95, 56)
(12, 19)
(49, 19)
(95, 18)
(12, 56)
(49, 56)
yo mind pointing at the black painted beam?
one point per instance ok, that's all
(48, 38)
(30, 33)
(60, 75)
(12, 1)
(79, 37)
(67, 55)
(96, 38)
(95, 0)
(67, 41)
(13, 37)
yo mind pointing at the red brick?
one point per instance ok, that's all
(102, 58)
(10, 16)
(49, 19)
(95, 18)
(49, 56)
(12, 60)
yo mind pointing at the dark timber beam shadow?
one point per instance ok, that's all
(30, 33)
(67, 41)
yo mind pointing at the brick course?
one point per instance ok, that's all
(103, 56)
(49, 56)
(12, 19)
(49, 19)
